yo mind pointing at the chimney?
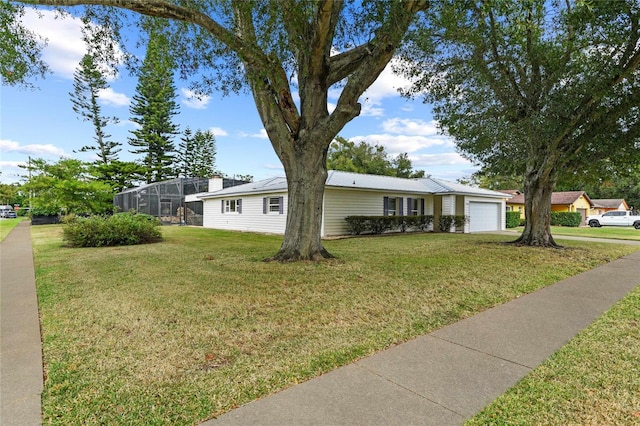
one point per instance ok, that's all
(215, 183)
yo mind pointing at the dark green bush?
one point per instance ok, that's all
(380, 224)
(420, 222)
(447, 221)
(118, 230)
(357, 225)
(573, 219)
(513, 219)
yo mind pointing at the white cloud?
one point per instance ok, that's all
(262, 134)
(406, 135)
(47, 150)
(442, 159)
(272, 166)
(123, 123)
(65, 46)
(396, 144)
(218, 131)
(405, 126)
(371, 109)
(194, 100)
(11, 171)
(109, 97)
(386, 85)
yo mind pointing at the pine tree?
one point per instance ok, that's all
(197, 154)
(88, 81)
(152, 108)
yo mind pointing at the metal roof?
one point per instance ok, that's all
(338, 179)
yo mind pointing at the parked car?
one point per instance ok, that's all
(7, 212)
(614, 218)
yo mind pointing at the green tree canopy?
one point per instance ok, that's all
(534, 88)
(348, 156)
(65, 187)
(197, 154)
(153, 108)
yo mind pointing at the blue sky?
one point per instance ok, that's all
(41, 123)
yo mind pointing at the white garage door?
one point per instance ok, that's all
(484, 217)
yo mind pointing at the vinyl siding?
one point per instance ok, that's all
(251, 219)
(448, 204)
(340, 203)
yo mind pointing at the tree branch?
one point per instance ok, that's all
(165, 9)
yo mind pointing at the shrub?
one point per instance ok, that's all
(447, 221)
(513, 219)
(380, 224)
(117, 230)
(573, 219)
(357, 225)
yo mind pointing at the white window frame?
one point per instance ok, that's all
(414, 208)
(273, 205)
(232, 206)
(392, 211)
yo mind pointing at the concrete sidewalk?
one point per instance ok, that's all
(449, 375)
(21, 379)
(438, 379)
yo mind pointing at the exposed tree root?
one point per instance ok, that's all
(287, 256)
(530, 241)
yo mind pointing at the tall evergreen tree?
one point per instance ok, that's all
(153, 108)
(197, 154)
(88, 81)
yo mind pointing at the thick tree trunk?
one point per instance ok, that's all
(539, 185)
(306, 178)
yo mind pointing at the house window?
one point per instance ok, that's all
(232, 206)
(273, 205)
(392, 206)
(391, 210)
(413, 206)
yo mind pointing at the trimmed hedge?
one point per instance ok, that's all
(118, 230)
(513, 219)
(447, 221)
(357, 225)
(573, 219)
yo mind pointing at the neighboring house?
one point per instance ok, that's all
(606, 205)
(568, 201)
(518, 205)
(262, 206)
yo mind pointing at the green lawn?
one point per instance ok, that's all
(180, 331)
(614, 232)
(593, 380)
(6, 225)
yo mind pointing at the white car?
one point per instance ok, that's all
(614, 218)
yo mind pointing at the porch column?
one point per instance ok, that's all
(449, 208)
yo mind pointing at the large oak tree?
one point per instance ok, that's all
(543, 89)
(275, 47)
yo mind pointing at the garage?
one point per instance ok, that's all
(484, 217)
